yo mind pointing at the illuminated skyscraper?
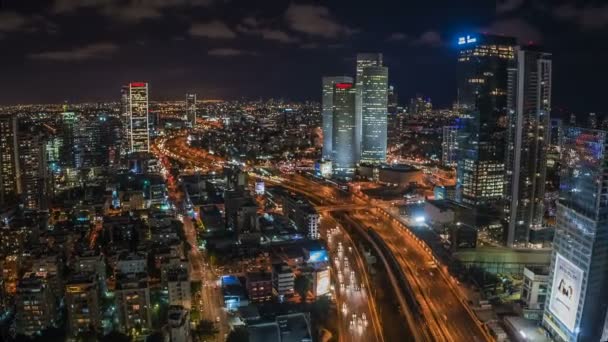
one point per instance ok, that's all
(374, 107)
(364, 60)
(344, 135)
(577, 298)
(139, 128)
(449, 146)
(191, 109)
(9, 166)
(125, 138)
(483, 61)
(328, 111)
(32, 166)
(529, 105)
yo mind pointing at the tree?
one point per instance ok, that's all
(301, 285)
(239, 334)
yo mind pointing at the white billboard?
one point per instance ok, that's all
(323, 282)
(565, 291)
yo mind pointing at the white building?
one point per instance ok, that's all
(178, 324)
(178, 285)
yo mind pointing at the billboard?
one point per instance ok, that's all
(565, 291)
(322, 282)
(317, 256)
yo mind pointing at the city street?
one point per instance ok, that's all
(358, 317)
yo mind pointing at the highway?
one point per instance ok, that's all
(358, 316)
(444, 312)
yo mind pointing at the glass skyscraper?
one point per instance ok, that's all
(483, 61)
(374, 106)
(344, 136)
(364, 60)
(9, 163)
(139, 128)
(327, 111)
(528, 129)
(577, 300)
(191, 109)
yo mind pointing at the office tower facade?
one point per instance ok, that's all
(9, 165)
(364, 60)
(374, 107)
(344, 144)
(139, 125)
(328, 111)
(483, 62)
(191, 109)
(449, 145)
(528, 134)
(125, 142)
(69, 140)
(577, 299)
(33, 168)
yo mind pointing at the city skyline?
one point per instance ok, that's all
(206, 49)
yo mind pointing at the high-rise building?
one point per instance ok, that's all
(9, 163)
(328, 111)
(82, 297)
(572, 119)
(393, 101)
(33, 168)
(364, 60)
(449, 146)
(178, 285)
(139, 126)
(344, 143)
(35, 305)
(125, 119)
(577, 299)
(483, 62)
(529, 105)
(133, 302)
(593, 120)
(191, 109)
(374, 107)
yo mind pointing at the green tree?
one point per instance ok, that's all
(239, 334)
(301, 285)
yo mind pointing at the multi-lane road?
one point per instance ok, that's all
(444, 312)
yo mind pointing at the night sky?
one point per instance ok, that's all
(57, 50)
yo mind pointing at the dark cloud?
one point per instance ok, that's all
(227, 52)
(503, 6)
(587, 17)
(429, 38)
(213, 29)
(396, 37)
(252, 26)
(126, 11)
(515, 27)
(11, 21)
(315, 21)
(91, 51)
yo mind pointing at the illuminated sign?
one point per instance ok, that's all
(565, 291)
(317, 256)
(323, 283)
(344, 85)
(138, 84)
(466, 40)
